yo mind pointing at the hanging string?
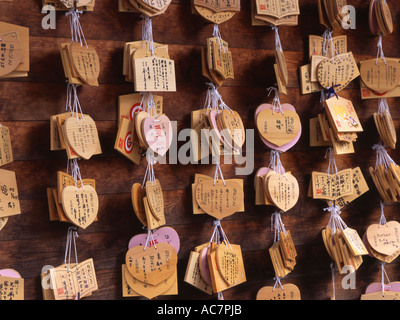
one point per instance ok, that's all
(383, 106)
(68, 102)
(382, 157)
(72, 103)
(76, 105)
(149, 238)
(328, 42)
(382, 220)
(332, 168)
(72, 234)
(275, 163)
(75, 172)
(277, 282)
(276, 102)
(214, 99)
(330, 91)
(277, 225)
(147, 36)
(219, 236)
(278, 44)
(149, 174)
(217, 34)
(218, 171)
(77, 34)
(335, 222)
(380, 53)
(383, 275)
(333, 281)
(148, 104)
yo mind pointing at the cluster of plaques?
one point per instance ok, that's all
(64, 5)
(150, 268)
(380, 78)
(216, 12)
(283, 254)
(340, 124)
(76, 134)
(218, 132)
(386, 178)
(219, 199)
(280, 190)
(215, 267)
(73, 202)
(380, 18)
(149, 67)
(127, 141)
(69, 281)
(340, 188)
(319, 50)
(331, 14)
(11, 285)
(216, 61)
(81, 63)
(382, 241)
(345, 247)
(148, 204)
(275, 12)
(279, 128)
(14, 43)
(149, 8)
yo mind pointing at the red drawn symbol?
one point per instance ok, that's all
(137, 107)
(128, 145)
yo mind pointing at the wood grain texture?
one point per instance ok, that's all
(30, 241)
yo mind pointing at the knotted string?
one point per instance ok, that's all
(382, 157)
(148, 104)
(218, 171)
(75, 172)
(214, 99)
(149, 238)
(380, 53)
(328, 41)
(149, 174)
(72, 234)
(330, 91)
(277, 282)
(383, 106)
(275, 163)
(218, 236)
(277, 225)
(77, 34)
(382, 220)
(383, 276)
(332, 168)
(217, 34)
(147, 36)
(72, 103)
(335, 222)
(276, 102)
(278, 44)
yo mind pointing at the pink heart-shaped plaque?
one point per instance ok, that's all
(158, 133)
(286, 146)
(162, 235)
(377, 287)
(204, 269)
(10, 273)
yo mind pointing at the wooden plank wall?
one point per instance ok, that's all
(30, 240)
